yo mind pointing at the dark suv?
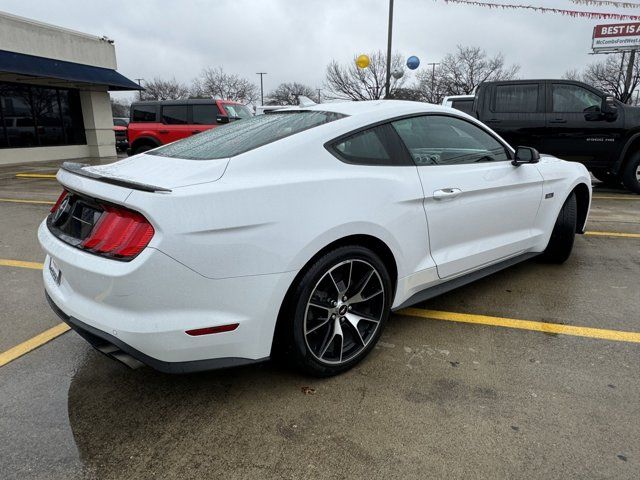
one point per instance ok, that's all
(567, 119)
(154, 123)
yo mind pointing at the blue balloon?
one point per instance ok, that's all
(413, 62)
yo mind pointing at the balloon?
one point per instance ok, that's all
(413, 62)
(397, 74)
(362, 61)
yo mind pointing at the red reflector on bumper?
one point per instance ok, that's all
(209, 330)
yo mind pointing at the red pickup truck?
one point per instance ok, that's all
(154, 123)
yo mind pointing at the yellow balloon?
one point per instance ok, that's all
(362, 61)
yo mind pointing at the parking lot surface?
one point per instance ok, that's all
(438, 398)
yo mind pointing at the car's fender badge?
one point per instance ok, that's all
(548, 195)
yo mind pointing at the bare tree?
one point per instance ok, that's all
(120, 107)
(288, 93)
(159, 89)
(461, 72)
(413, 94)
(215, 83)
(609, 76)
(572, 75)
(348, 82)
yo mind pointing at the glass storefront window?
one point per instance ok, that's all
(33, 116)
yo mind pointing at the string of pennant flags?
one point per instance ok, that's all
(606, 3)
(560, 11)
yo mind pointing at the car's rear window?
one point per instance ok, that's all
(244, 135)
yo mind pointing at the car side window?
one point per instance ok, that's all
(518, 98)
(465, 106)
(143, 113)
(378, 145)
(573, 99)
(446, 140)
(205, 114)
(174, 114)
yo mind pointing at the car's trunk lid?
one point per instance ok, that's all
(152, 172)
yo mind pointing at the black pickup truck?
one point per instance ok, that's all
(567, 119)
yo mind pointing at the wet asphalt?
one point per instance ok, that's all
(435, 399)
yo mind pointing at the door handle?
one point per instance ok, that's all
(558, 120)
(446, 193)
(196, 131)
(163, 131)
(493, 120)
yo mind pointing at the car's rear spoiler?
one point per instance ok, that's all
(78, 169)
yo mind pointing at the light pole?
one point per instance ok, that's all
(389, 35)
(433, 80)
(319, 95)
(261, 87)
(139, 80)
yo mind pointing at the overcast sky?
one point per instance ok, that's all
(293, 40)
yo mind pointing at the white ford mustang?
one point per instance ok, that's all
(297, 232)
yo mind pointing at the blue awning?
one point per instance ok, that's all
(40, 67)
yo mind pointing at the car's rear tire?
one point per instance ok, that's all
(336, 312)
(564, 231)
(631, 173)
(605, 177)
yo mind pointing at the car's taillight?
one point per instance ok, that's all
(61, 198)
(119, 233)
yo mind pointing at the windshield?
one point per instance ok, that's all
(237, 111)
(240, 137)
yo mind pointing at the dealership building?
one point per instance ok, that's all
(54, 92)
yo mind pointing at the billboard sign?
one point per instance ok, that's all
(616, 37)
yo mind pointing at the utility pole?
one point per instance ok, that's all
(319, 95)
(261, 87)
(433, 81)
(139, 80)
(389, 35)
(627, 80)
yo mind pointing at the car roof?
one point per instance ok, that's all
(374, 108)
(187, 101)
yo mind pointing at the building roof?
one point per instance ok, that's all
(48, 68)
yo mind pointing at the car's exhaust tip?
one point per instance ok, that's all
(112, 351)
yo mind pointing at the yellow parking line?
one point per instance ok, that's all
(613, 234)
(36, 175)
(33, 343)
(589, 332)
(616, 197)
(16, 200)
(20, 264)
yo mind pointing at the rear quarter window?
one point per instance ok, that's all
(143, 113)
(379, 145)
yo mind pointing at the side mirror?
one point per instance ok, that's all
(609, 108)
(525, 155)
(222, 119)
(593, 113)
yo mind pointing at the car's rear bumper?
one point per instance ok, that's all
(124, 353)
(146, 306)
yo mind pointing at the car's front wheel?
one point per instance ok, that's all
(631, 173)
(338, 310)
